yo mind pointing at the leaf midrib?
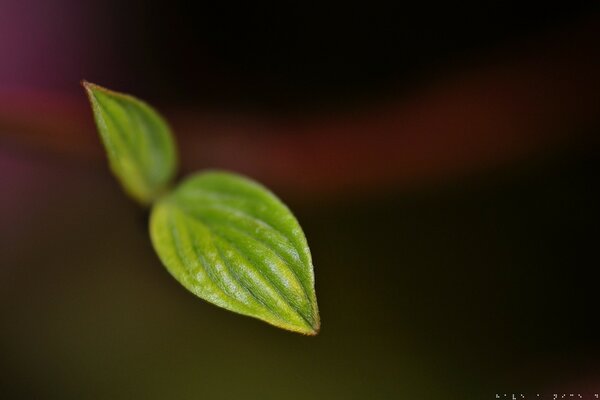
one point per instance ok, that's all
(294, 306)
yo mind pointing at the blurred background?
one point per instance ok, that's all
(442, 161)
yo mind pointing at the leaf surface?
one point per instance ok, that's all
(140, 147)
(230, 241)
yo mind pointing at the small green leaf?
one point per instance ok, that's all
(140, 147)
(233, 243)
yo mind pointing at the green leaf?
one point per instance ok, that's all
(140, 147)
(231, 242)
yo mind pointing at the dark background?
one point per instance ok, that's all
(442, 161)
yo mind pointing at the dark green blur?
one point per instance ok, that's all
(452, 291)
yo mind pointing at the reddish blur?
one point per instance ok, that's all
(441, 161)
(521, 99)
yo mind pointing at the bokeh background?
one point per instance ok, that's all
(442, 160)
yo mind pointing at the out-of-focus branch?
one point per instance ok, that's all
(520, 102)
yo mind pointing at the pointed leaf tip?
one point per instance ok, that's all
(140, 147)
(231, 242)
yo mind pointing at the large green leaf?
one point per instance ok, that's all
(233, 243)
(140, 147)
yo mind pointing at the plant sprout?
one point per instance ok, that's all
(224, 237)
